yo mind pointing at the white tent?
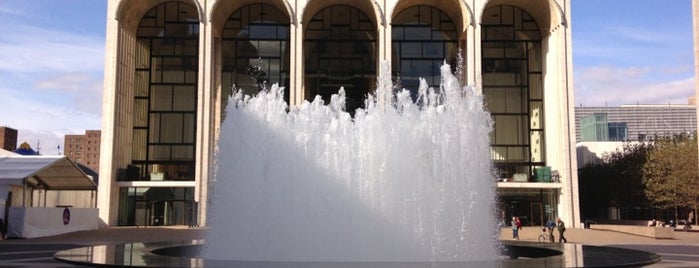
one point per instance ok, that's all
(45, 172)
(48, 173)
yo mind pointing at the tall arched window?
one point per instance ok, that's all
(423, 38)
(165, 93)
(255, 50)
(513, 89)
(340, 51)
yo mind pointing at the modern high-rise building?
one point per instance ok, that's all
(633, 122)
(84, 148)
(171, 65)
(8, 138)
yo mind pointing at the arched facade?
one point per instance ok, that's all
(298, 44)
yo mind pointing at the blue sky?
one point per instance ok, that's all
(51, 68)
(632, 51)
(52, 60)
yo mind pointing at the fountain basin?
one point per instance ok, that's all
(513, 254)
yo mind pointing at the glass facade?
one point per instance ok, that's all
(513, 90)
(595, 127)
(340, 51)
(164, 116)
(424, 38)
(618, 131)
(533, 206)
(255, 50)
(155, 206)
(165, 94)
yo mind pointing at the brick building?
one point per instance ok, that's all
(84, 148)
(8, 138)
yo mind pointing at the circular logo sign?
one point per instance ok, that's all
(66, 216)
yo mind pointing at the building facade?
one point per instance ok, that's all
(633, 122)
(171, 65)
(8, 138)
(84, 148)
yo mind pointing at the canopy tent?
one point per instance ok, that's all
(44, 172)
(47, 173)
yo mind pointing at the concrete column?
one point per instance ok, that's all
(206, 114)
(297, 62)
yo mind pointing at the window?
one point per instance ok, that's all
(339, 50)
(255, 50)
(165, 88)
(423, 38)
(513, 89)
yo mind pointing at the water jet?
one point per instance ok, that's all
(402, 183)
(401, 180)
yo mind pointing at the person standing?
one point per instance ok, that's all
(561, 226)
(515, 229)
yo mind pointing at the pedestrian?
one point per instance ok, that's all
(690, 217)
(2, 229)
(550, 224)
(515, 229)
(561, 229)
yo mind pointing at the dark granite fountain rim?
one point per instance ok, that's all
(520, 253)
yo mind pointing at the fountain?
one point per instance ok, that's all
(401, 181)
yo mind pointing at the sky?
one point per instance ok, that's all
(52, 61)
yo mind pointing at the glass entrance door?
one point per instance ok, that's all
(157, 206)
(537, 214)
(158, 212)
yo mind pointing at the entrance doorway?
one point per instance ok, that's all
(156, 206)
(537, 214)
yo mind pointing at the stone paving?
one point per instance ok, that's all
(683, 251)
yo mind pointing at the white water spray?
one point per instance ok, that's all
(399, 182)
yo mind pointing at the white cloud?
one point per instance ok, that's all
(613, 86)
(637, 34)
(7, 11)
(40, 121)
(28, 49)
(44, 141)
(51, 82)
(81, 89)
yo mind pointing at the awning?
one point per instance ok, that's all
(45, 172)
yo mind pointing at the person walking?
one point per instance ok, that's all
(690, 217)
(515, 229)
(561, 226)
(550, 225)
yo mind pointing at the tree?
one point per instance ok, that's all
(616, 181)
(628, 165)
(670, 174)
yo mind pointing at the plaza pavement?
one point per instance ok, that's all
(683, 251)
